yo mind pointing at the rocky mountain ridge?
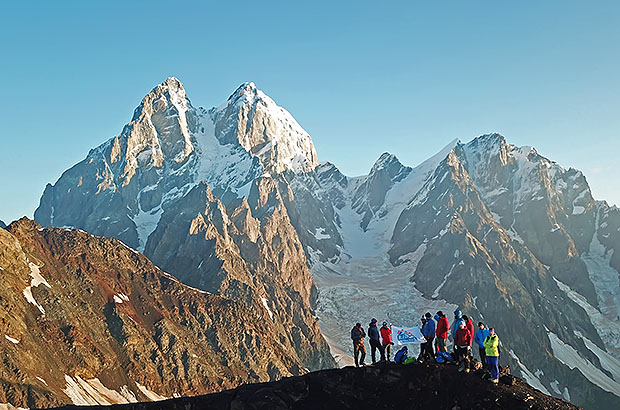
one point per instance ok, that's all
(385, 386)
(500, 231)
(87, 320)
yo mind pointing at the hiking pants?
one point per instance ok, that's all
(386, 349)
(374, 345)
(483, 357)
(441, 344)
(493, 362)
(429, 352)
(462, 356)
(359, 349)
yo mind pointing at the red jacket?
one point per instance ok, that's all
(470, 328)
(442, 328)
(462, 337)
(386, 335)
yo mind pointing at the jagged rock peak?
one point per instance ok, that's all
(264, 129)
(386, 160)
(2, 224)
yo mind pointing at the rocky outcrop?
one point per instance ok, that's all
(2, 224)
(88, 320)
(387, 386)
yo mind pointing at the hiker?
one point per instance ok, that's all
(428, 331)
(358, 335)
(491, 346)
(386, 339)
(373, 336)
(442, 331)
(458, 319)
(480, 337)
(469, 324)
(462, 343)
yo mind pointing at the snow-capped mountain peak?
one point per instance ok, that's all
(264, 129)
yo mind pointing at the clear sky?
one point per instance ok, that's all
(361, 77)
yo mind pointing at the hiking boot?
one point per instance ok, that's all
(495, 381)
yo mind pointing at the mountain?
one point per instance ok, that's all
(2, 224)
(386, 386)
(87, 320)
(508, 236)
(233, 201)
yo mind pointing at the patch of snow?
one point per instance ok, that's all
(608, 362)
(41, 380)
(117, 299)
(578, 210)
(10, 339)
(320, 234)
(149, 394)
(37, 280)
(93, 392)
(445, 279)
(529, 377)
(266, 305)
(571, 358)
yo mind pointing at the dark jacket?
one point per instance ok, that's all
(442, 327)
(357, 334)
(373, 332)
(428, 330)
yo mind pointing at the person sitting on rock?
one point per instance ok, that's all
(491, 346)
(462, 341)
(386, 339)
(358, 335)
(480, 337)
(373, 338)
(442, 331)
(428, 331)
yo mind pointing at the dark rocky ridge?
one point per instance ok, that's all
(385, 386)
(2, 224)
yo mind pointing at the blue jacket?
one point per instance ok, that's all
(373, 332)
(458, 319)
(428, 329)
(481, 334)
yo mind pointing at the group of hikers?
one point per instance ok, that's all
(435, 329)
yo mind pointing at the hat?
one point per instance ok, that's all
(384, 323)
(428, 315)
(480, 324)
(492, 330)
(440, 313)
(373, 320)
(358, 324)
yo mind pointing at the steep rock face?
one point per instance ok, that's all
(184, 185)
(253, 120)
(250, 253)
(87, 320)
(2, 224)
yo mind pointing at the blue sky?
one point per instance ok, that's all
(361, 77)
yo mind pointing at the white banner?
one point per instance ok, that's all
(402, 335)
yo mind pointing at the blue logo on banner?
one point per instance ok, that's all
(405, 336)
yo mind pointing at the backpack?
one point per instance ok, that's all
(409, 360)
(401, 355)
(444, 357)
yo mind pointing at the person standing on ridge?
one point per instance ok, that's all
(358, 335)
(458, 319)
(491, 346)
(386, 339)
(442, 331)
(428, 330)
(480, 337)
(375, 344)
(462, 343)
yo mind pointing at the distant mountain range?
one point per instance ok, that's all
(233, 201)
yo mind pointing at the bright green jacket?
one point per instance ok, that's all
(491, 344)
